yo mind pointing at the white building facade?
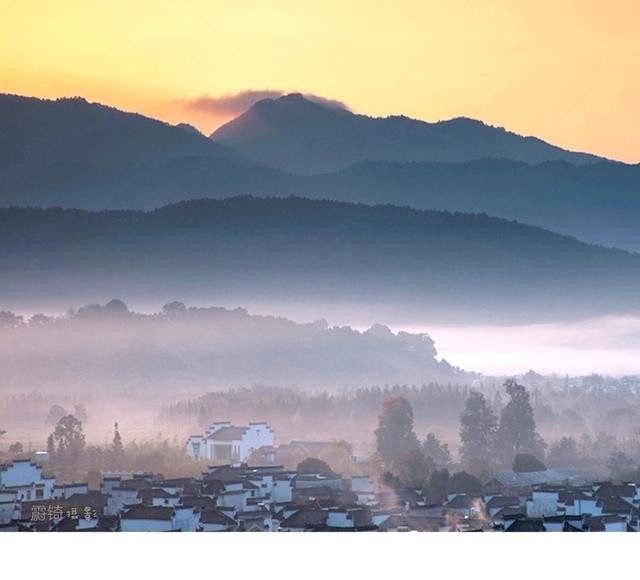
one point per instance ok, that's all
(25, 478)
(223, 442)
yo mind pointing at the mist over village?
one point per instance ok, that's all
(319, 267)
(216, 419)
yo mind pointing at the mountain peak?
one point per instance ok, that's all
(309, 135)
(293, 98)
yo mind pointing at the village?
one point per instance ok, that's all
(231, 495)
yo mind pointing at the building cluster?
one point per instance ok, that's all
(236, 497)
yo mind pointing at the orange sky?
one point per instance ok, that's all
(565, 70)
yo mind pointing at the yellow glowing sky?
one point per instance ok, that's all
(565, 70)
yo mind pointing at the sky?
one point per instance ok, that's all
(567, 71)
(609, 346)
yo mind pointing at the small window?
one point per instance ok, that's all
(28, 495)
(39, 493)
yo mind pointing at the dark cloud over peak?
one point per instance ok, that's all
(236, 103)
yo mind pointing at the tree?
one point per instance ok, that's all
(395, 435)
(525, 462)
(436, 451)
(339, 454)
(70, 438)
(413, 468)
(174, 309)
(117, 449)
(391, 480)
(517, 432)
(56, 412)
(16, 447)
(478, 427)
(40, 320)
(438, 487)
(314, 465)
(563, 453)
(463, 482)
(51, 447)
(10, 320)
(619, 464)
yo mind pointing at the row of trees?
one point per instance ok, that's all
(487, 441)
(407, 462)
(69, 453)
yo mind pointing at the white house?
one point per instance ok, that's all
(26, 479)
(224, 442)
(282, 490)
(159, 519)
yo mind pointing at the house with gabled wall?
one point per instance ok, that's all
(224, 442)
(26, 478)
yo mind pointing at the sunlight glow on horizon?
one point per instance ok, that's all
(562, 70)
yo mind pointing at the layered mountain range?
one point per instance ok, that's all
(75, 154)
(318, 218)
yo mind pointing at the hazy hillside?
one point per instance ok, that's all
(300, 136)
(438, 264)
(598, 202)
(70, 152)
(198, 348)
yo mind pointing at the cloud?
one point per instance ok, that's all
(237, 103)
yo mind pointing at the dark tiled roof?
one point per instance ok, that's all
(228, 434)
(224, 473)
(155, 493)
(567, 527)
(616, 505)
(65, 525)
(463, 501)
(612, 490)
(410, 523)
(510, 513)
(93, 499)
(305, 517)
(499, 501)
(138, 483)
(213, 516)
(597, 523)
(149, 513)
(526, 525)
(175, 482)
(199, 502)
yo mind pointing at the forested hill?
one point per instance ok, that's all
(198, 348)
(446, 264)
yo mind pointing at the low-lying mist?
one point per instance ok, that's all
(609, 345)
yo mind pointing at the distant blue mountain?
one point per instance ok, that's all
(71, 152)
(298, 135)
(75, 154)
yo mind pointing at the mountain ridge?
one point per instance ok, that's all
(134, 169)
(299, 136)
(436, 264)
